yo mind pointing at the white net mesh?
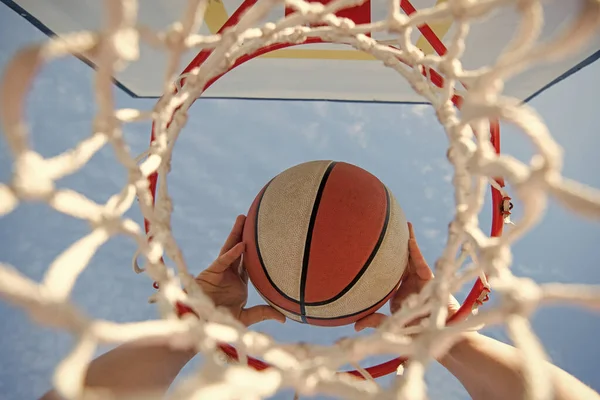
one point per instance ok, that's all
(308, 369)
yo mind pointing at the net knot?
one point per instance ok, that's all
(32, 179)
(346, 24)
(268, 28)
(460, 8)
(298, 36)
(108, 220)
(520, 296)
(174, 38)
(450, 68)
(398, 23)
(437, 76)
(460, 151)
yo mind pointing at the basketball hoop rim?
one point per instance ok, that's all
(473, 298)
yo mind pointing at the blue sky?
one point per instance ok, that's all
(227, 152)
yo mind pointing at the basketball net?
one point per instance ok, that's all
(308, 369)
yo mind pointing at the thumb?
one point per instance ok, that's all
(370, 321)
(253, 315)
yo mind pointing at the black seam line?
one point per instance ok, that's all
(260, 259)
(341, 316)
(307, 253)
(369, 260)
(309, 233)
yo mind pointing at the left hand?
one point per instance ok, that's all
(417, 275)
(225, 281)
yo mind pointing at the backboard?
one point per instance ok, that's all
(315, 71)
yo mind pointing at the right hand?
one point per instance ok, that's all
(416, 276)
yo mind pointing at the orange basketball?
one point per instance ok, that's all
(326, 243)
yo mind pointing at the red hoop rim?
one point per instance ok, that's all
(479, 289)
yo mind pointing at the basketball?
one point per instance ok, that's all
(326, 243)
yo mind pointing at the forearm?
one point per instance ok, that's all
(134, 368)
(489, 369)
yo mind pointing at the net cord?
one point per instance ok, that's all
(474, 298)
(308, 368)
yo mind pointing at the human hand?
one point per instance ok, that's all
(416, 276)
(225, 281)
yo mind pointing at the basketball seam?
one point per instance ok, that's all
(260, 259)
(304, 272)
(369, 260)
(357, 312)
(337, 317)
(307, 243)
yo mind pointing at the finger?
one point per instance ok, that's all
(411, 231)
(243, 271)
(253, 315)
(417, 261)
(370, 321)
(226, 260)
(235, 236)
(404, 290)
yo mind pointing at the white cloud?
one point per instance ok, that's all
(224, 104)
(443, 168)
(431, 233)
(429, 192)
(310, 131)
(419, 109)
(539, 271)
(357, 133)
(443, 164)
(428, 220)
(321, 108)
(355, 110)
(207, 144)
(314, 135)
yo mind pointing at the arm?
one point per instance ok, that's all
(132, 367)
(490, 369)
(487, 368)
(141, 367)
